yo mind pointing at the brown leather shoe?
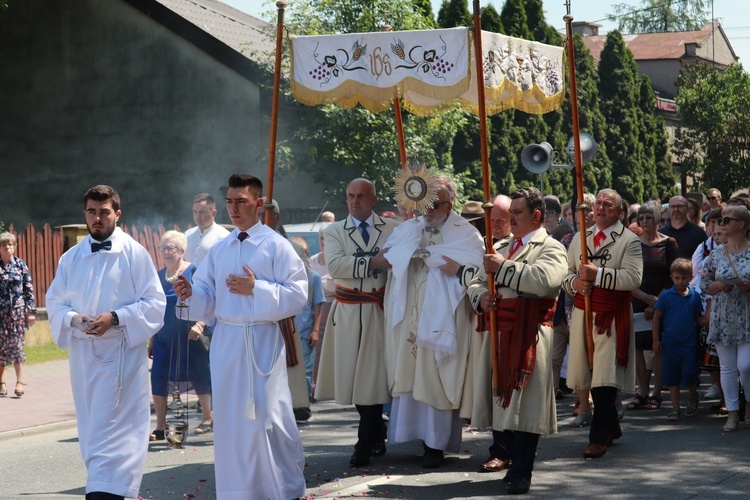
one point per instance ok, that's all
(595, 450)
(616, 434)
(494, 465)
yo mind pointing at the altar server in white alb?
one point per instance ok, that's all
(104, 304)
(248, 282)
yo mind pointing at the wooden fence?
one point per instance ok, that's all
(41, 250)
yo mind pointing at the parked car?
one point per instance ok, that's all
(309, 231)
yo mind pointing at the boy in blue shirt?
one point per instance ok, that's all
(677, 314)
(308, 321)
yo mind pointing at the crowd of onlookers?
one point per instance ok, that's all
(695, 246)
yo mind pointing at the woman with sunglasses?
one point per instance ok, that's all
(659, 251)
(190, 362)
(726, 277)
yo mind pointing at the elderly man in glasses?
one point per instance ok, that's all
(428, 324)
(687, 234)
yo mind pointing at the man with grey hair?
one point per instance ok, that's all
(428, 324)
(275, 223)
(206, 232)
(687, 234)
(602, 360)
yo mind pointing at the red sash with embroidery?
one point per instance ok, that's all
(517, 324)
(350, 296)
(610, 306)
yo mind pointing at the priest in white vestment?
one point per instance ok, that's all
(429, 325)
(104, 304)
(248, 282)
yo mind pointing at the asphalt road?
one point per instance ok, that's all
(654, 459)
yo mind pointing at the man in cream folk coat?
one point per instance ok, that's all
(104, 304)
(352, 362)
(429, 325)
(605, 361)
(529, 272)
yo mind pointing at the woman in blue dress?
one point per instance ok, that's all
(178, 350)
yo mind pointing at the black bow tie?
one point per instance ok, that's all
(95, 247)
(433, 230)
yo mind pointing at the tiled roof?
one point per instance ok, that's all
(654, 46)
(244, 33)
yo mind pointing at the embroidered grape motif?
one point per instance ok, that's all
(321, 72)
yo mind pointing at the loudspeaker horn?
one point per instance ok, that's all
(537, 158)
(588, 148)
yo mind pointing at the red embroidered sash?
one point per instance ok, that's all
(517, 325)
(350, 296)
(610, 306)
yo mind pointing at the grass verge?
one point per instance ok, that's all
(44, 353)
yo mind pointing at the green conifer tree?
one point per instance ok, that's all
(619, 87)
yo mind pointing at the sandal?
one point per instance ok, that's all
(638, 402)
(157, 435)
(654, 403)
(19, 392)
(205, 428)
(731, 425)
(582, 419)
(692, 407)
(674, 416)
(3, 389)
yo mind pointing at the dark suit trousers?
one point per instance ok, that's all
(520, 448)
(605, 414)
(372, 429)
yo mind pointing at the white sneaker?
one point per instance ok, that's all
(712, 393)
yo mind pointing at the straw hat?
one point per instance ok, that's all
(472, 210)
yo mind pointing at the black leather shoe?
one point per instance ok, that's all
(379, 450)
(359, 459)
(432, 459)
(519, 487)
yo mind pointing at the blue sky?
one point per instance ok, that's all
(734, 16)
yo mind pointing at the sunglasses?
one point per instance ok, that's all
(712, 198)
(645, 217)
(438, 204)
(725, 220)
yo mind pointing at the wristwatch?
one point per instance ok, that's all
(115, 319)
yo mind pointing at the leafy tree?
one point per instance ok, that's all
(654, 16)
(491, 20)
(515, 20)
(619, 86)
(659, 175)
(598, 173)
(541, 31)
(454, 13)
(713, 145)
(425, 8)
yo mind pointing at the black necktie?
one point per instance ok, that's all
(242, 236)
(95, 247)
(365, 234)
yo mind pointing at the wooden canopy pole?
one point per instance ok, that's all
(578, 164)
(281, 5)
(487, 205)
(400, 130)
(397, 114)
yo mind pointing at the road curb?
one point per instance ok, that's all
(39, 429)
